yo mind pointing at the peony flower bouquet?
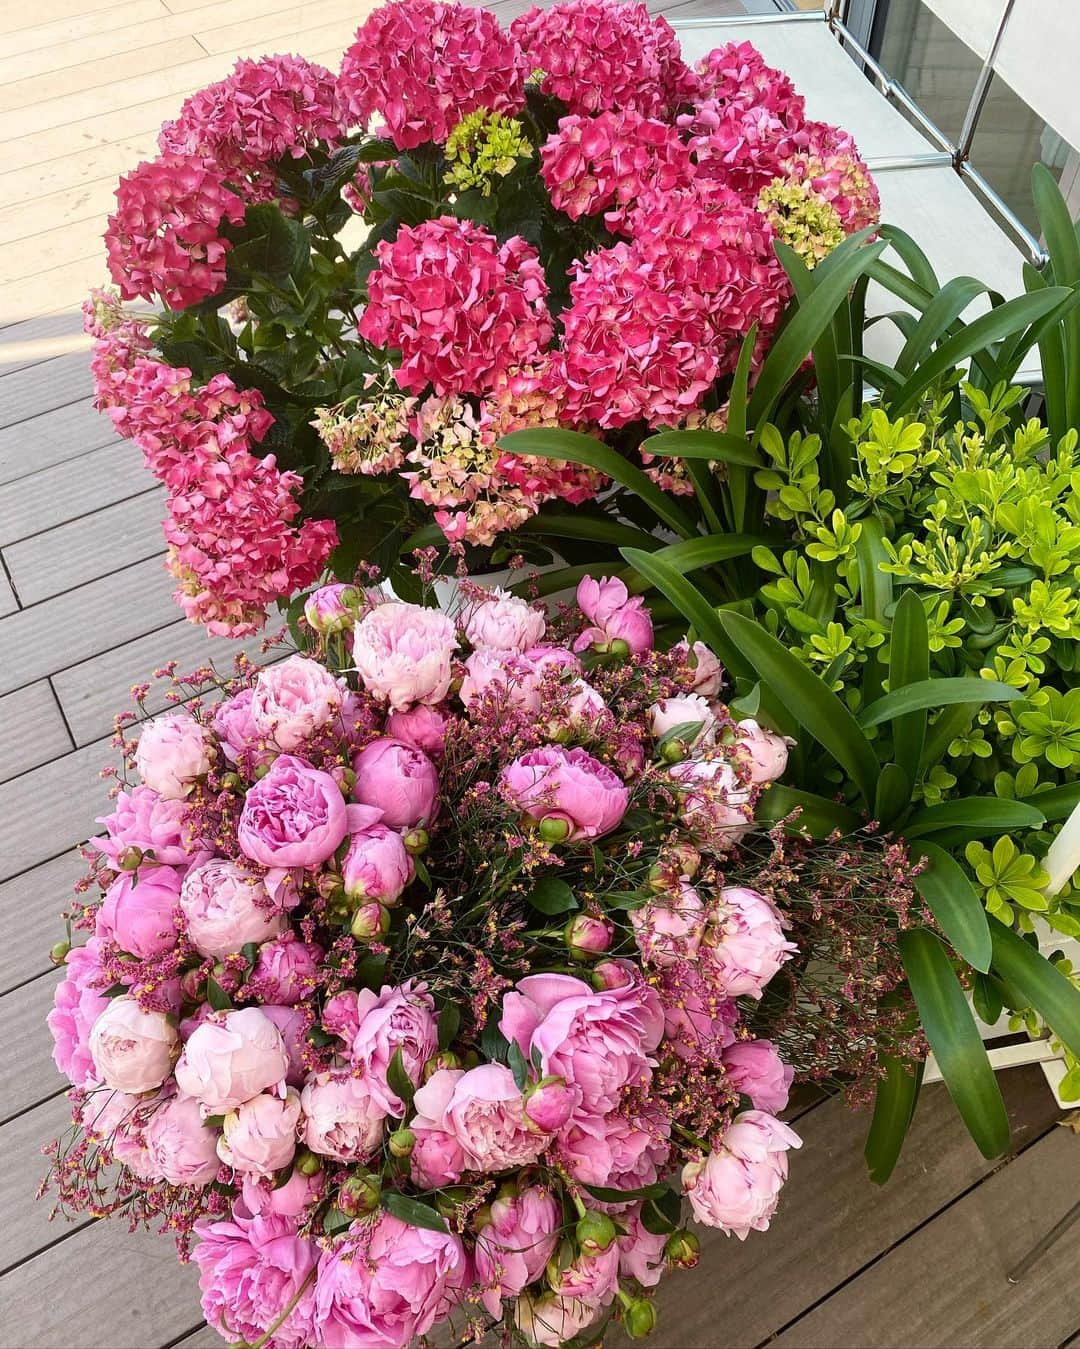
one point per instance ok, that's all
(426, 977)
(367, 279)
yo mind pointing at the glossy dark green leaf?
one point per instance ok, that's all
(894, 1106)
(708, 445)
(985, 815)
(819, 817)
(1058, 803)
(518, 1065)
(449, 1024)
(953, 1036)
(1045, 987)
(986, 998)
(412, 1211)
(875, 585)
(216, 996)
(1062, 245)
(399, 1081)
(955, 904)
(551, 895)
(893, 794)
(928, 693)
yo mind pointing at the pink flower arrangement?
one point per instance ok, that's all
(390, 1028)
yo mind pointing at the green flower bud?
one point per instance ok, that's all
(402, 1142)
(639, 1318)
(130, 859)
(683, 1250)
(359, 1195)
(554, 830)
(416, 842)
(307, 1163)
(595, 1232)
(59, 953)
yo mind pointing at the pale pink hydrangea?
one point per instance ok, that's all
(461, 308)
(599, 54)
(164, 238)
(421, 66)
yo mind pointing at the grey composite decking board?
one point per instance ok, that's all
(34, 340)
(50, 809)
(832, 1220)
(103, 1288)
(8, 605)
(28, 1075)
(92, 692)
(73, 627)
(946, 1284)
(21, 1141)
(32, 731)
(40, 388)
(203, 1338)
(65, 434)
(72, 554)
(30, 909)
(31, 505)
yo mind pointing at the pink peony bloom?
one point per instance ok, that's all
(260, 1136)
(515, 1244)
(708, 672)
(116, 1121)
(403, 654)
(755, 1069)
(613, 616)
(294, 699)
(295, 816)
(699, 1023)
(503, 622)
(342, 1118)
(763, 752)
(165, 235)
(250, 1270)
(641, 1252)
(462, 309)
(293, 1024)
(737, 1188)
(744, 944)
(132, 1050)
(669, 927)
(569, 785)
(438, 1157)
(598, 1042)
(180, 1148)
(386, 1284)
(299, 1193)
(590, 1278)
(549, 1103)
(225, 906)
(598, 54)
(144, 820)
(286, 969)
(174, 752)
(332, 608)
(400, 781)
(715, 802)
(77, 1004)
(421, 66)
(394, 1019)
(550, 1320)
(588, 935)
(230, 1058)
(689, 709)
(421, 727)
(233, 725)
(509, 676)
(137, 911)
(486, 1115)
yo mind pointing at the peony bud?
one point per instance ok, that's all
(674, 750)
(416, 842)
(307, 1163)
(344, 777)
(369, 922)
(59, 953)
(130, 859)
(233, 782)
(619, 647)
(683, 1250)
(610, 974)
(330, 884)
(446, 1058)
(587, 936)
(552, 829)
(332, 608)
(639, 1318)
(402, 1142)
(192, 985)
(359, 1195)
(263, 768)
(549, 1103)
(595, 1232)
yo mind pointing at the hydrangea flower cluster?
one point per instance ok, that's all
(566, 226)
(423, 956)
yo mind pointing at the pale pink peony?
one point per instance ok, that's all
(509, 676)
(515, 1243)
(396, 1018)
(755, 1069)
(386, 1284)
(332, 608)
(77, 1003)
(144, 820)
(551, 1321)
(715, 802)
(398, 780)
(225, 906)
(669, 927)
(590, 1278)
(294, 699)
(613, 616)
(180, 1148)
(744, 942)
(116, 1121)
(230, 1058)
(503, 622)
(286, 969)
(438, 1157)
(342, 1119)
(708, 672)
(698, 1023)
(174, 751)
(568, 785)
(137, 913)
(486, 1115)
(233, 725)
(737, 1187)
(549, 1103)
(262, 1196)
(295, 816)
(763, 752)
(250, 1270)
(422, 727)
(641, 1252)
(132, 1050)
(403, 654)
(260, 1136)
(293, 1024)
(688, 709)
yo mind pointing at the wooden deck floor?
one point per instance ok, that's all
(85, 611)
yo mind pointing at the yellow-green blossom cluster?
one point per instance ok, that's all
(482, 147)
(801, 218)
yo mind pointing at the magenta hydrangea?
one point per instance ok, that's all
(737, 74)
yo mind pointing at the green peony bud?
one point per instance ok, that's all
(595, 1232)
(639, 1318)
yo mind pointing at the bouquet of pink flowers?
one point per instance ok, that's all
(370, 278)
(426, 977)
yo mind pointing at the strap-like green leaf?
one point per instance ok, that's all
(1052, 360)
(953, 1036)
(1064, 249)
(690, 554)
(710, 445)
(1046, 988)
(740, 486)
(984, 815)
(893, 794)
(1059, 802)
(909, 663)
(912, 256)
(811, 702)
(593, 528)
(942, 311)
(927, 693)
(819, 816)
(955, 903)
(875, 585)
(550, 442)
(894, 1107)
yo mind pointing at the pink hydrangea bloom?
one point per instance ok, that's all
(422, 66)
(828, 162)
(738, 145)
(165, 235)
(78, 1002)
(599, 54)
(461, 308)
(736, 73)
